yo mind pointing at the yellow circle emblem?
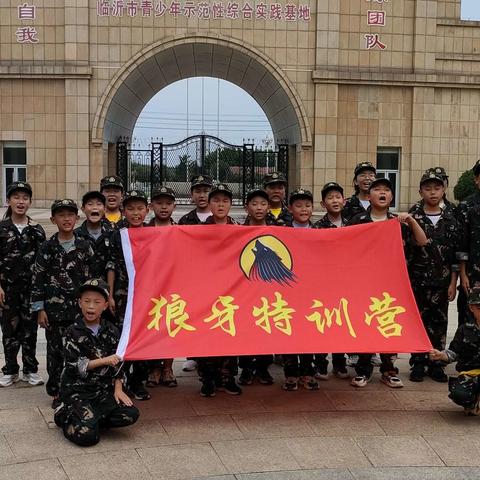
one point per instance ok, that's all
(268, 259)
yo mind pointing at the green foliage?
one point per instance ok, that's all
(465, 186)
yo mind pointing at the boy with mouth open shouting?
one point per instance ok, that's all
(380, 195)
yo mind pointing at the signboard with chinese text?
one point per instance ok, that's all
(235, 290)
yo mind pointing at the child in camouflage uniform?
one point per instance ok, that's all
(465, 350)
(363, 176)
(91, 389)
(111, 187)
(256, 205)
(200, 188)
(275, 184)
(433, 271)
(62, 264)
(163, 205)
(135, 207)
(20, 240)
(218, 373)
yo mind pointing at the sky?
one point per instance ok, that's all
(470, 10)
(228, 112)
(223, 110)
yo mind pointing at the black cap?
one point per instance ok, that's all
(97, 285)
(91, 195)
(256, 192)
(440, 171)
(331, 186)
(300, 193)
(163, 192)
(381, 181)
(23, 186)
(201, 181)
(476, 168)
(64, 203)
(274, 177)
(431, 177)
(111, 181)
(134, 195)
(364, 166)
(220, 187)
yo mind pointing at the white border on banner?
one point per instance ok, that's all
(127, 321)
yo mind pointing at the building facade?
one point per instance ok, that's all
(394, 82)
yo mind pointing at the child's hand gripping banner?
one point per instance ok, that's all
(234, 290)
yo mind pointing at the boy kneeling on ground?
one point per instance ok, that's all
(465, 350)
(91, 388)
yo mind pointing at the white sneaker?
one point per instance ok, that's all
(8, 380)
(32, 378)
(359, 381)
(189, 365)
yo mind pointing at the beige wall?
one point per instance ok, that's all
(421, 94)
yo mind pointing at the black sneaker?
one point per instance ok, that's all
(140, 393)
(417, 373)
(437, 374)
(56, 402)
(246, 377)
(230, 386)
(208, 388)
(264, 377)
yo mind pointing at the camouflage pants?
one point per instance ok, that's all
(216, 368)
(338, 361)
(19, 330)
(433, 307)
(82, 420)
(255, 362)
(55, 342)
(298, 365)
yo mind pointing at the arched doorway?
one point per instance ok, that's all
(196, 55)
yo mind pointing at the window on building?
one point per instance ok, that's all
(388, 166)
(14, 164)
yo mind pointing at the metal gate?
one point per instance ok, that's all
(242, 167)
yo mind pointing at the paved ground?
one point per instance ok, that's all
(266, 433)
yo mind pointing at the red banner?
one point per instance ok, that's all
(232, 290)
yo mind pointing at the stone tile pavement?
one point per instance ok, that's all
(336, 433)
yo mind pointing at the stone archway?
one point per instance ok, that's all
(198, 55)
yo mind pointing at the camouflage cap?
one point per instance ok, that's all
(331, 186)
(163, 192)
(23, 186)
(474, 296)
(256, 192)
(364, 166)
(381, 181)
(476, 168)
(431, 177)
(97, 285)
(440, 171)
(201, 181)
(111, 181)
(222, 188)
(300, 193)
(91, 195)
(274, 177)
(134, 195)
(64, 203)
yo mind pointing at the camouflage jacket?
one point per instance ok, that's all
(325, 222)
(191, 218)
(211, 221)
(353, 207)
(432, 265)
(151, 223)
(407, 236)
(445, 205)
(465, 347)
(469, 251)
(101, 247)
(81, 346)
(58, 274)
(285, 218)
(18, 252)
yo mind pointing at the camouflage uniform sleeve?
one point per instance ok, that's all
(464, 239)
(113, 253)
(75, 364)
(39, 277)
(455, 345)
